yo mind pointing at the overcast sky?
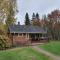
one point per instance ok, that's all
(40, 6)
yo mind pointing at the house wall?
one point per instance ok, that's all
(11, 38)
(21, 40)
(24, 39)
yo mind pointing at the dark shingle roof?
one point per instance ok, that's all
(26, 29)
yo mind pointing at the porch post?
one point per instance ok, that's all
(22, 34)
(18, 34)
(14, 33)
(28, 35)
(42, 35)
(35, 36)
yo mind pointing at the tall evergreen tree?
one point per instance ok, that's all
(33, 16)
(27, 20)
(37, 15)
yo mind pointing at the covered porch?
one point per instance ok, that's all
(37, 37)
(28, 38)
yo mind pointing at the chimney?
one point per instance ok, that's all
(18, 23)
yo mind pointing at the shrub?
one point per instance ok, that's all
(5, 42)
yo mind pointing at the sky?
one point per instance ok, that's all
(40, 6)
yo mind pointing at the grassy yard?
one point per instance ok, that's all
(53, 47)
(25, 53)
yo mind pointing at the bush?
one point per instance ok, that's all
(5, 42)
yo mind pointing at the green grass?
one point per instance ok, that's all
(53, 47)
(25, 53)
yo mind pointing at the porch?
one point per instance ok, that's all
(38, 38)
(32, 37)
(28, 38)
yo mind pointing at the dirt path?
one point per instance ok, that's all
(54, 57)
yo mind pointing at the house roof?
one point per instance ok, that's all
(26, 29)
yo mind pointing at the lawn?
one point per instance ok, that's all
(52, 46)
(25, 53)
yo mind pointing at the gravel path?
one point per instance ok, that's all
(54, 57)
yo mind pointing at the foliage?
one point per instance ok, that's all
(27, 20)
(33, 16)
(25, 53)
(37, 16)
(36, 23)
(7, 7)
(53, 24)
(2, 29)
(10, 20)
(4, 42)
(36, 19)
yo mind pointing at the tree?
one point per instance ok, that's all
(54, 21)
(37, 16)
(27, 20)
(44, 18)
(5, 42)
(5, 6)
(10, 20)
(8, 10)
(54, 17)
(33, 16)
(36, 19)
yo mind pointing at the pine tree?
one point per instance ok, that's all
(37, 16)
(27, 20)
(33, 16)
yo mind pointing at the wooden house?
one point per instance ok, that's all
(27, 34)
